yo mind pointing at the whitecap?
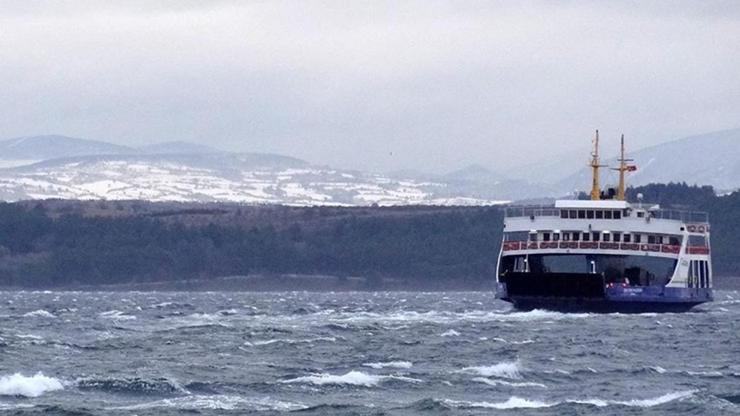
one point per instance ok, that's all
(29, 336)
(353, 378)
(117, 315)
(513, 402)
(450, 333)
(658, 369)
(389, 364)
(39, 314)
(291, 341)
(491, 382)
(506, 369)
(217, 402)
(34, 386)
(656, 401)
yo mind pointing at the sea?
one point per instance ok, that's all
(358, 353)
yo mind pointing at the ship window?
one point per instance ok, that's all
(515, 236)
(651, 239)
(627, 238)
(638, 238)
(566, 236)
(640, 214)
(581, 213)
(626, 213)
(545, 236)
(576, 236)
(563, 213)
(697, 241)
(617, 215)
(573, 214)
(607, 236)
(701, 273)
(599, 215)
(586, 237)
(533, 237)
(674, 241)
(596, 236)
(589, 214)
(695, 269)
(607, 215)
(555, 237)
(616, 237)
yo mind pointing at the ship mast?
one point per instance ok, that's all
(623, 168)
(595, 165)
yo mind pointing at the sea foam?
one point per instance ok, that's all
(353, 378)
(39, 314)
(389, 364)
(506, 369)
(34, 386)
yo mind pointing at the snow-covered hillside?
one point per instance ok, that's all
(247, 178)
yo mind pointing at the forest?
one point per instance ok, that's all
(60, 243)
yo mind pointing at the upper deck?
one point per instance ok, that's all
(596, 210)
(605, 225)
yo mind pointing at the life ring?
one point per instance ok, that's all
(701, 229)
(691, 228)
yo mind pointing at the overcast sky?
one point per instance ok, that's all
(372, 84)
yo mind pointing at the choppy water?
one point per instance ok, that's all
(358, 353)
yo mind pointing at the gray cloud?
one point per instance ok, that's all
(381, 85)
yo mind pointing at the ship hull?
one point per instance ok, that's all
(599, 305)
(589, 293)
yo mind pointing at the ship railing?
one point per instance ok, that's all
(689, 217)
(603, 245)
(693, 217)
(532, 211)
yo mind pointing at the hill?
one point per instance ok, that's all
(56, 146)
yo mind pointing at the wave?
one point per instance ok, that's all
(389, 364)
(290, 341)
(491, 382)
(515, 402)
(217, 402)
(134, 385)
(197, 320)
(39, 314)
(117, 315)
(506, 369)
(445, 317)
(450, 333)
(505, 341)
(34, 386)
(352, 378)
(511, 403)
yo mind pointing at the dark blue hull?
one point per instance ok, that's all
(615, 299)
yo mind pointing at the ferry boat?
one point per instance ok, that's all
(605, 254)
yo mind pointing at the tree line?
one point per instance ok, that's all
(50, 244)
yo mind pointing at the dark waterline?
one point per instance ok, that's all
(399, 353)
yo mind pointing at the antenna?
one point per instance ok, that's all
(623, 167)
(595, 165)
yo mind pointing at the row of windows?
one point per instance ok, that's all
(694, 240)
(699, 273)
(591, 214)
(607, 237)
